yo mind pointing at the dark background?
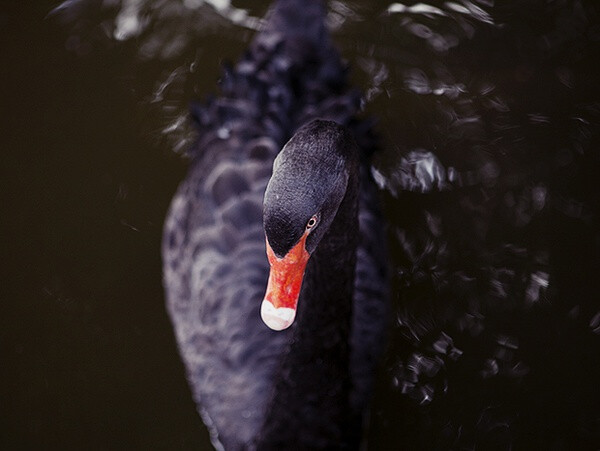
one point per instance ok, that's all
(88, 356)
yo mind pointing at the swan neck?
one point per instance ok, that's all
(315, 367)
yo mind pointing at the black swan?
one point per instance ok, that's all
(309, 385)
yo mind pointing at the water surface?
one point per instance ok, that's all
(489, 119)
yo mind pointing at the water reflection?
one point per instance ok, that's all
(490, 116)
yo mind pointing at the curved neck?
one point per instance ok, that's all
(310, 407)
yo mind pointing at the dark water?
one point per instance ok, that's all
(489, 117)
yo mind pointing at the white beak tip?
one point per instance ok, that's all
(276, 318)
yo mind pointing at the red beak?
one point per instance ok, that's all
(278, 308)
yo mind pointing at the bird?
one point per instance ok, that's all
(274, 257)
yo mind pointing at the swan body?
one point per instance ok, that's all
(307, 384)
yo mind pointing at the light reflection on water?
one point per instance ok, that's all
(489, 116)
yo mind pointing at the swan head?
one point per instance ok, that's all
(309, 181)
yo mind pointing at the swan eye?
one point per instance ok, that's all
(311, 222)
